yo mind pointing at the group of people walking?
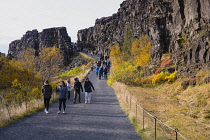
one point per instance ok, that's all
(64, 91)
(102, 67)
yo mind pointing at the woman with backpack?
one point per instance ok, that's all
(88, 86)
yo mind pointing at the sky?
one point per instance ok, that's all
(19, 16)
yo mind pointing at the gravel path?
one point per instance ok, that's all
(103, 119)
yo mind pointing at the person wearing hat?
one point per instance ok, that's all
(88, 86)
(77, 87)
(47, 92)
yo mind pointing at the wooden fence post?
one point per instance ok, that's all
(143, 118)
(136, 112)
(155, 127)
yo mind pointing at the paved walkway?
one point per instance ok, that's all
(103, 119)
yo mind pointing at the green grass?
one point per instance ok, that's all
(75, 71)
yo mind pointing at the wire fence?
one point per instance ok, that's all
(151, 125)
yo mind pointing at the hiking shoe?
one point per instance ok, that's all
(59, 112)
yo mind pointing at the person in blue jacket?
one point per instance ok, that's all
(63, 94)
(97, 71)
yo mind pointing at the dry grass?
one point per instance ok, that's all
(20, 111)
(86, 56)
(35, 105)
(186, 110)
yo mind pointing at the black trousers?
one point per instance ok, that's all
(75, 96)
(46, 103)
(62, 101)
(69, 93)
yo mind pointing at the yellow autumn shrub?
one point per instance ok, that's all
(164, 77)
(171, 77)
(109, 82)
(140, 51)
(160, 78)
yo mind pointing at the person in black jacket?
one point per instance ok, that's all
(100, 73)
(47, 92)
(88, 86)
(77, 87)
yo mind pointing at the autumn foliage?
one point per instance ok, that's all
(140, 51)
(131, 68)
(130, 71)
(22, 78)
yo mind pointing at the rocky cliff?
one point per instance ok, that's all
(47, 38)
(178, 27)
(2, 54)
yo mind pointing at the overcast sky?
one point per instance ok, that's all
(19, 16)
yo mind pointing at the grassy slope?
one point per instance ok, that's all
(188, 110)
(19, 112)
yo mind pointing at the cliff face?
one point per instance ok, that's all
(178, 27)
(47, 38)
(2, 54)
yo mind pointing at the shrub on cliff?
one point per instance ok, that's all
(164, 77)
(75, 71)
(130, 70)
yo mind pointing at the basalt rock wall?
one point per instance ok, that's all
(47, 38)
(178, 27)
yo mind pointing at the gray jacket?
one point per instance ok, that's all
(63, 92)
